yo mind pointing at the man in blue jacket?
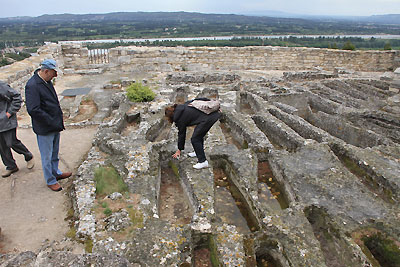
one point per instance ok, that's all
(47, 120)
(10, 103)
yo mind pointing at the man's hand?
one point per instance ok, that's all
(177, 154)
(8, 115)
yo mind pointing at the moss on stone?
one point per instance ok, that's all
(213, 251)
(88, 245)
(245, 145)
(136, 217)
(70, 213)
(71, 233)
(174, 168)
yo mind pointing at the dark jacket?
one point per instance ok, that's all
(10, 101)
(187, 116)
(43, 106)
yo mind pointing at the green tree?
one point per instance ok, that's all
(349, 46)
(387, 46)
(333, 46)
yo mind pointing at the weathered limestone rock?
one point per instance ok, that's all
(158, 244)
(229, 245)
(330, 136)
(118, 221)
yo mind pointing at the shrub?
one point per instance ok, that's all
(387, 46)
(333, 46)
(18, 56)
(108, 181)
(137, 92)
(4, 62)
(349, 46)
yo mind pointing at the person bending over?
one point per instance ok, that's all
(183, 116)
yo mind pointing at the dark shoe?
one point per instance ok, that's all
(64, 175)
(55, 187)
(9, 172)
(30, 163)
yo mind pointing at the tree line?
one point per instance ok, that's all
(346, 43)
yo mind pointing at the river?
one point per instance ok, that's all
(380, 36)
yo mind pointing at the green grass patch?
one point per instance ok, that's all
(107, 212)
(137, 92)
(108, 181)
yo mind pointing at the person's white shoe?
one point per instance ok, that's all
(192, 154)
(201, 165)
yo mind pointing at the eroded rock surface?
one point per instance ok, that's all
(331, 145)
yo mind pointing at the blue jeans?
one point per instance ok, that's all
(49, 147)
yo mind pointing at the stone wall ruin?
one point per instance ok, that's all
(232, 58)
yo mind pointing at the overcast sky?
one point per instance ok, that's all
(13, 8)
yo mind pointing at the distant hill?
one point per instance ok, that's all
(386, 19)
(381, 19)
(193, 16)
(141, 17)
(127, 25)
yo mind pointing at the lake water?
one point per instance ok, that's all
(383, 36)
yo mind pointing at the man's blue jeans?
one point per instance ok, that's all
(48, 147)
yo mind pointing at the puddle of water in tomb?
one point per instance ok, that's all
(246, 108)
(228, 136)
(270, 193)
(202, 257)
(230, 206)
(266, 261)
(174, 205)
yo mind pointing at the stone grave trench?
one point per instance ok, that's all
(303, 171)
